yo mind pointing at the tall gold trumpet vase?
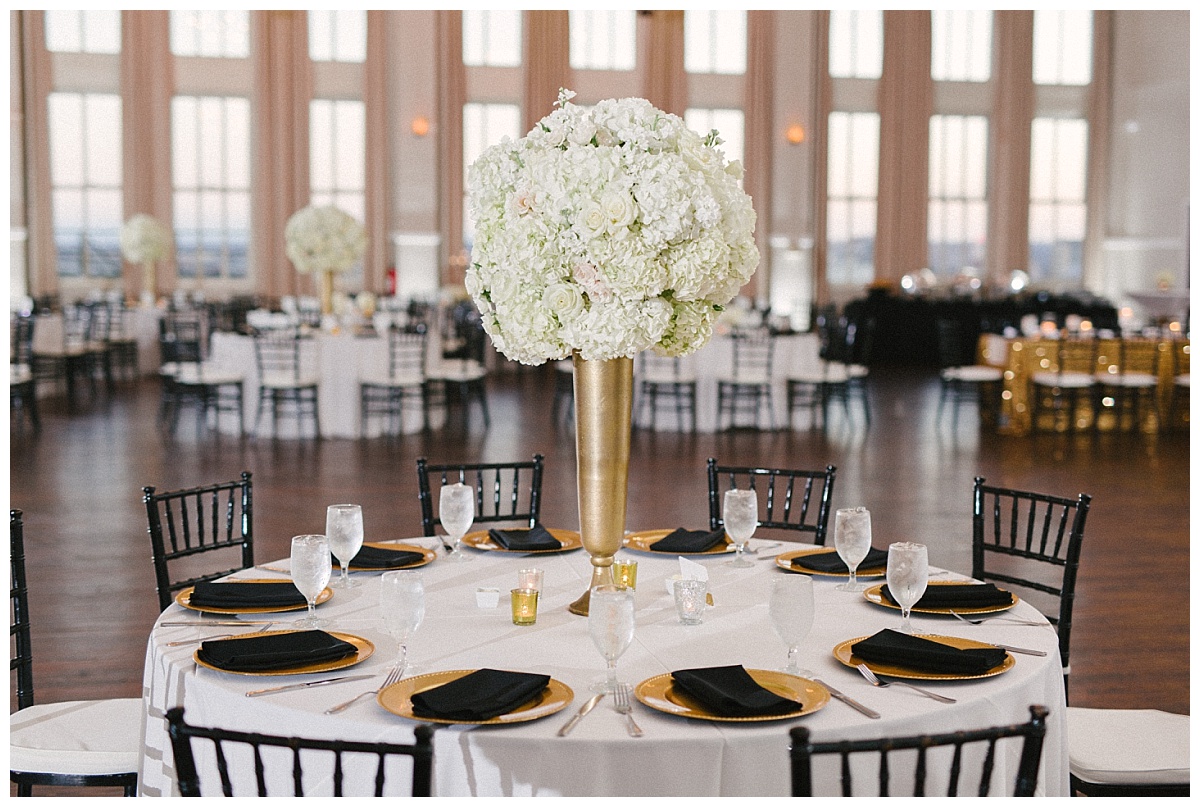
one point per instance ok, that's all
(603, 408)
(326, 291)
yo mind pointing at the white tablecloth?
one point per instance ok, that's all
(677, 756)
(339, 360)
(713, 362)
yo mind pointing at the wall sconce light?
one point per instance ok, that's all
(420, 125)
(795, 134)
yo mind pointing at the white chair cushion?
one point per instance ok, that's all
(19, 373)
(1065, 380)
(208, 374)
(857, 370)
(382, 379)
(83, 737)
(1128, 746)
(289, 381)
(1184, 380)
(975, 373)
(1130, 380)
(467, 370)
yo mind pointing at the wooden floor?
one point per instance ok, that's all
(88, 554)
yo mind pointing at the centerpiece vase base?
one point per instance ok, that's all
(603, 411)
(326, 291)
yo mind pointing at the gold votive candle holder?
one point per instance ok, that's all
(625, 573)
(524, 606)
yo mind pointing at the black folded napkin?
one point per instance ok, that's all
(279, 651)
(274, 594)
(682, 540)
(731, 692)
(530, 540)
(378, 557)
(958, 595)
(480, 695)
(924, 655)
(832, 562)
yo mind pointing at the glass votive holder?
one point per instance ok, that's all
(530, 578)
(689, 600)
(625, 573)
(524, 606)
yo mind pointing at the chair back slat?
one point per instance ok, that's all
(1031, 531)
(504, 492)
(1032, 734)
(183, 734)
(189, 522)
(18, 597)
(777, 483)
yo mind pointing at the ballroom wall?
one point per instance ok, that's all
(1141, 219)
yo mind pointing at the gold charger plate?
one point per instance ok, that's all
(641, 540)
(843, 654)
(427, 556)
(659, 693)
(480, 539)
(875, 595)
(364, 647)
(397, 699)
(784, 561)
(182, 599)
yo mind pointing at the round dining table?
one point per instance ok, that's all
(676, 755)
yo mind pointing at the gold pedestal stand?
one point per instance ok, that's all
(603, 409)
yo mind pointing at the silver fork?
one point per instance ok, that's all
(870, 676)
(1008, 619)
(392, 677)
(624, 707)
(182, 642)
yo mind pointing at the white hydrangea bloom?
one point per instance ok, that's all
(606, 231)
(324, 238)
(144, 239)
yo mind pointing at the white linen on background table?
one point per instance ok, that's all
(339, 361)
(677, 756)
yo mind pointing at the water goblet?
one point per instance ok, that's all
(311, 569)
(741, 520)
(456, 509)
(907, 576)
(852, 538)
(792, 609)
(402, 603)
(610, 622)
(344, 531)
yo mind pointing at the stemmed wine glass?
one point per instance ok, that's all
(311, 568)
(791, 608)
(610, 622)
(907, 576)
(344, 531)
(456, 509)
(852, 537)
(402, 601)
(741, 520)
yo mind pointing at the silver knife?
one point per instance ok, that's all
(252, 693)
(871, 713)
(1024, 650)
(583, 710)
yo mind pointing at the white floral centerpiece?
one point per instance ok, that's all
(145, 241)
(325, 240)
(607, 231)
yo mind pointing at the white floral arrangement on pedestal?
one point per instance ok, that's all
(324, 239)
(144, 239)
(607, 231)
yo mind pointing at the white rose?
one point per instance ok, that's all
(564, 300)
(594, 220)
(619, 210)
(583, 132)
